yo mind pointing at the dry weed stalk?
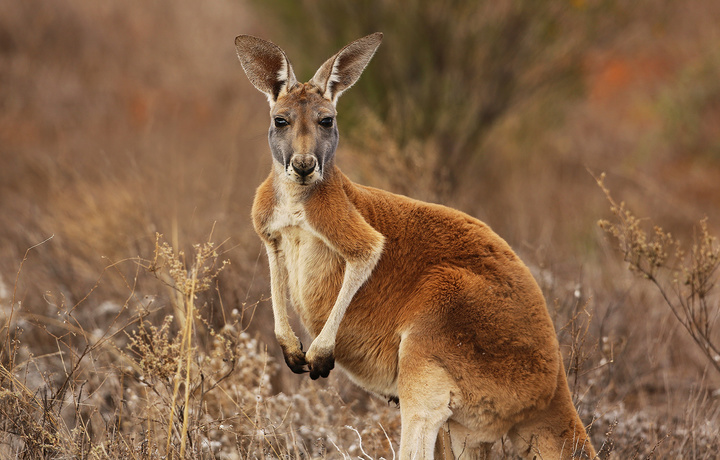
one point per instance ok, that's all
(685, 281)
(187, 282)
(8, 347)
(580, 352)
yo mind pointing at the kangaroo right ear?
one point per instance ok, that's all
(266, 65)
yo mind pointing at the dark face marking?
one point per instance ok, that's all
(303, 134)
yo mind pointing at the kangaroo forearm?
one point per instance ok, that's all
(356, 274)
(278, 292)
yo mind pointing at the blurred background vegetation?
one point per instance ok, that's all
(122, 119)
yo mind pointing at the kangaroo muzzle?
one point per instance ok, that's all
(304, 168)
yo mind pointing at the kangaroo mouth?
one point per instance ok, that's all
(305, 181)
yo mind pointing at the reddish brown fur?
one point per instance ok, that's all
(445, 316)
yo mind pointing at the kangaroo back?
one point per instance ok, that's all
(418, 302)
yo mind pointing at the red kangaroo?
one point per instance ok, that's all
(417, 302)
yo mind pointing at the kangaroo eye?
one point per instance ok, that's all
(280, 122)
(326, 122)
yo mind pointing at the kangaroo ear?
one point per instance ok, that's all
(341, 71)
(266, 65)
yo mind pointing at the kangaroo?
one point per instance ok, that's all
(417, 302)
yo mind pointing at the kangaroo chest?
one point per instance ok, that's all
(314, 270)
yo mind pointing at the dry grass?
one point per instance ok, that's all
(121, 120)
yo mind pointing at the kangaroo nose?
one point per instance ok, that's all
(304, 165)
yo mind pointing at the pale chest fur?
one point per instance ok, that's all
(313, 269)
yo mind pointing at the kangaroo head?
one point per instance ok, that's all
(303, 134)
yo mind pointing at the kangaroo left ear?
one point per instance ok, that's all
(341, 71)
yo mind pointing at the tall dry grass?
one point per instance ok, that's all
(120, 120)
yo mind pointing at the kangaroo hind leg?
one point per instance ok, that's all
(465, 444)
(554, 432)
(425, 390)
